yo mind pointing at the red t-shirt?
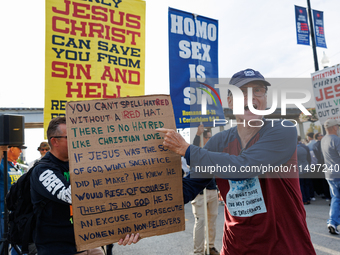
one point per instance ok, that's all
(264, 214)
(276, 231)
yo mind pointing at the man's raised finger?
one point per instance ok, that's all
(164, 130)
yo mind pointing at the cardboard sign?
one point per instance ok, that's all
(123, 179)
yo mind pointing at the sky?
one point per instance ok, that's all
(257, 34)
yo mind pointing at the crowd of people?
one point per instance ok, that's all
(250, 198)
(312, 176)
(319, 156)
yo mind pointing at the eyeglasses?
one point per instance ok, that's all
(44, 149)
(60, 136)
(257, 91)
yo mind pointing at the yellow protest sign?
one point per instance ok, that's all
(94, 50)
(123, 179)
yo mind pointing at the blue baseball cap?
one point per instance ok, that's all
(245, 76)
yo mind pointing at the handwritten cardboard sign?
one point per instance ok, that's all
(123, 180)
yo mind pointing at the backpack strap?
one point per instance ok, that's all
(26, 234)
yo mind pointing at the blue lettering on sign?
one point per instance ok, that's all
(114, 193)
(149, 161)
(153, 174)
(113, 180)
(132, 152)
(82, 184)
(115, 166)
(138, 176)
(99, 155)
(91, 209)
(139, 227)
(157, 223)
(89, 196)
(104, 221)
(98, 234)
(124, 230)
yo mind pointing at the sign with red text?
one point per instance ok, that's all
(123, 179)
(326, 86)
(94, 50)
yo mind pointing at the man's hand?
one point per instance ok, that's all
(129, 239)
(200, 130)
(174, 141)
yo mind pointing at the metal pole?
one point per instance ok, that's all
(316, 63)
(205, 206)
(5, 233)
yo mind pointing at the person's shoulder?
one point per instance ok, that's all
(226, 132)
(30, 164)
(281, 127)
(329, 140)
(336, 139)
(316, 145)
(221, 136)
(304, 146)
(221, 139)
(325, 140)
(281, 123)
(332, 138)
(43, 163)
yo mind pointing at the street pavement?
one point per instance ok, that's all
(317, 215)
(181, 243)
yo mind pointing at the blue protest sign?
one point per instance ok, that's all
(302, 29)
(193, 56)
(320, 40)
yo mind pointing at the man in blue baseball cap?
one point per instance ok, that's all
(256, 171)
(246, 76)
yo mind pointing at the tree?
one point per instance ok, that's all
(313, 127)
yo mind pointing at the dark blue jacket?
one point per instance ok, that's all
(212, 183)
(318, 152)
(13, 175)
(51, 195)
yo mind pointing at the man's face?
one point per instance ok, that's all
(259, 100)
(43, 151)
(16, 151)
(206, 139)
(62, 142)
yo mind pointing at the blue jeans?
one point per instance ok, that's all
(334, 212)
